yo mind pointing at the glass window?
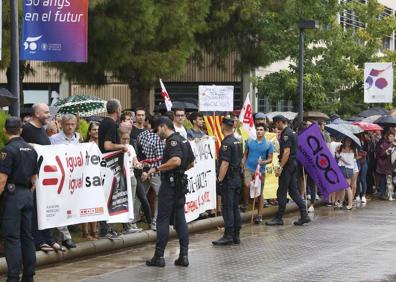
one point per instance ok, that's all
(36, 96)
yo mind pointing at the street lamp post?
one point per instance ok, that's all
(303, 25)
(14, 68)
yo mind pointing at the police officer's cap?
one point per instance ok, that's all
(13, 123)
(163, 121)
(228, 121)
(279, 118)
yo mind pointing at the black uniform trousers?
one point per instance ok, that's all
(171, 210)
(288, 184)
(17, 232)
(230, 196)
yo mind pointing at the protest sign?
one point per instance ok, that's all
(55, 31)
(378, 83)
(213, 98)
(69, 187)
(318, 162)
(271, 181)
(117, 187)
(201, 180)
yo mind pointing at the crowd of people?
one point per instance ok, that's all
(368, 167)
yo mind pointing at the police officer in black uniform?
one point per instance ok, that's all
(18, 169)
(287, 173)
(177, 158)
(229, 183)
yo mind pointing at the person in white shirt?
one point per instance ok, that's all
(178, 121)
(133, 163)
(68, 135)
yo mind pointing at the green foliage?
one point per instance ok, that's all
(3, 139)
(83, 128)
(334, 58)
(138, 41)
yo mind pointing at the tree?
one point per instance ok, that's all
(138, 41)
(335, 56)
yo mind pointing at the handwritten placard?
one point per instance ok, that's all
(216, 98)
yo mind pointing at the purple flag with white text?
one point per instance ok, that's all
(318, 162)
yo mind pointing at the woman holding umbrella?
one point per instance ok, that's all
(346, 157)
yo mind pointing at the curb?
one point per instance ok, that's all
(90, 248)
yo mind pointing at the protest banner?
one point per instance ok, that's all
(271, 181)
(55, 31)
(318, 162)
(69, 187)
(201, 180)
(117, 187)
(378, 83)
(214, 98)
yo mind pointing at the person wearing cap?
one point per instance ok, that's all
(229, 183)
(18, 172)
(260, 118)
(178, 157)
(287, 173)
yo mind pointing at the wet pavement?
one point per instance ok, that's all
(358, 245)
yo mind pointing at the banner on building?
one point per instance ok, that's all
(55, 31)
(318, 162)
(214, 98)
(378, 83)
(69, 187)
(201, 180)
(117, 187)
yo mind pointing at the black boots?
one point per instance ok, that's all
(158, 258)
(227, 239)
(236, 238)
(304, 219)
(183, 257)
(274, 221)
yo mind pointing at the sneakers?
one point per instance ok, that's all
(112, 235)
(258, 219)
(132, 229)
(153, 226)
(317, 197)
(311, 209)
(364, 200)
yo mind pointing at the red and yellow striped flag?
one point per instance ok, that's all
(213, 126)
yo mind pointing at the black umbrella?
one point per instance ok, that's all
(188, 106)
(6, 98)
(355, 118)
(374, 112)
(386, 121)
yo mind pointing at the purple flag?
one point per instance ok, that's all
(317, 160)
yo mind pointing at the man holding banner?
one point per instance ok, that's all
(287, 173)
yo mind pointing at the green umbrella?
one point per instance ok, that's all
(81, 105)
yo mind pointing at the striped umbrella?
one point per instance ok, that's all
(81, 105)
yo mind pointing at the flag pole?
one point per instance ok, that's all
(305, 189)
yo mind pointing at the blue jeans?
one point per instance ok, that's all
(362, 180)
(382, 185)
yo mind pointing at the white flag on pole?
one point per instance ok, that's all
(255, 185)
(165, 95)
(246, 118)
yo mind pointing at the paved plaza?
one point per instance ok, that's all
(338, 246)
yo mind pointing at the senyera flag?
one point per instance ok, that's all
(246, 118)
(55, 31)
(213, 125)
(165, 95)
(318, 162)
